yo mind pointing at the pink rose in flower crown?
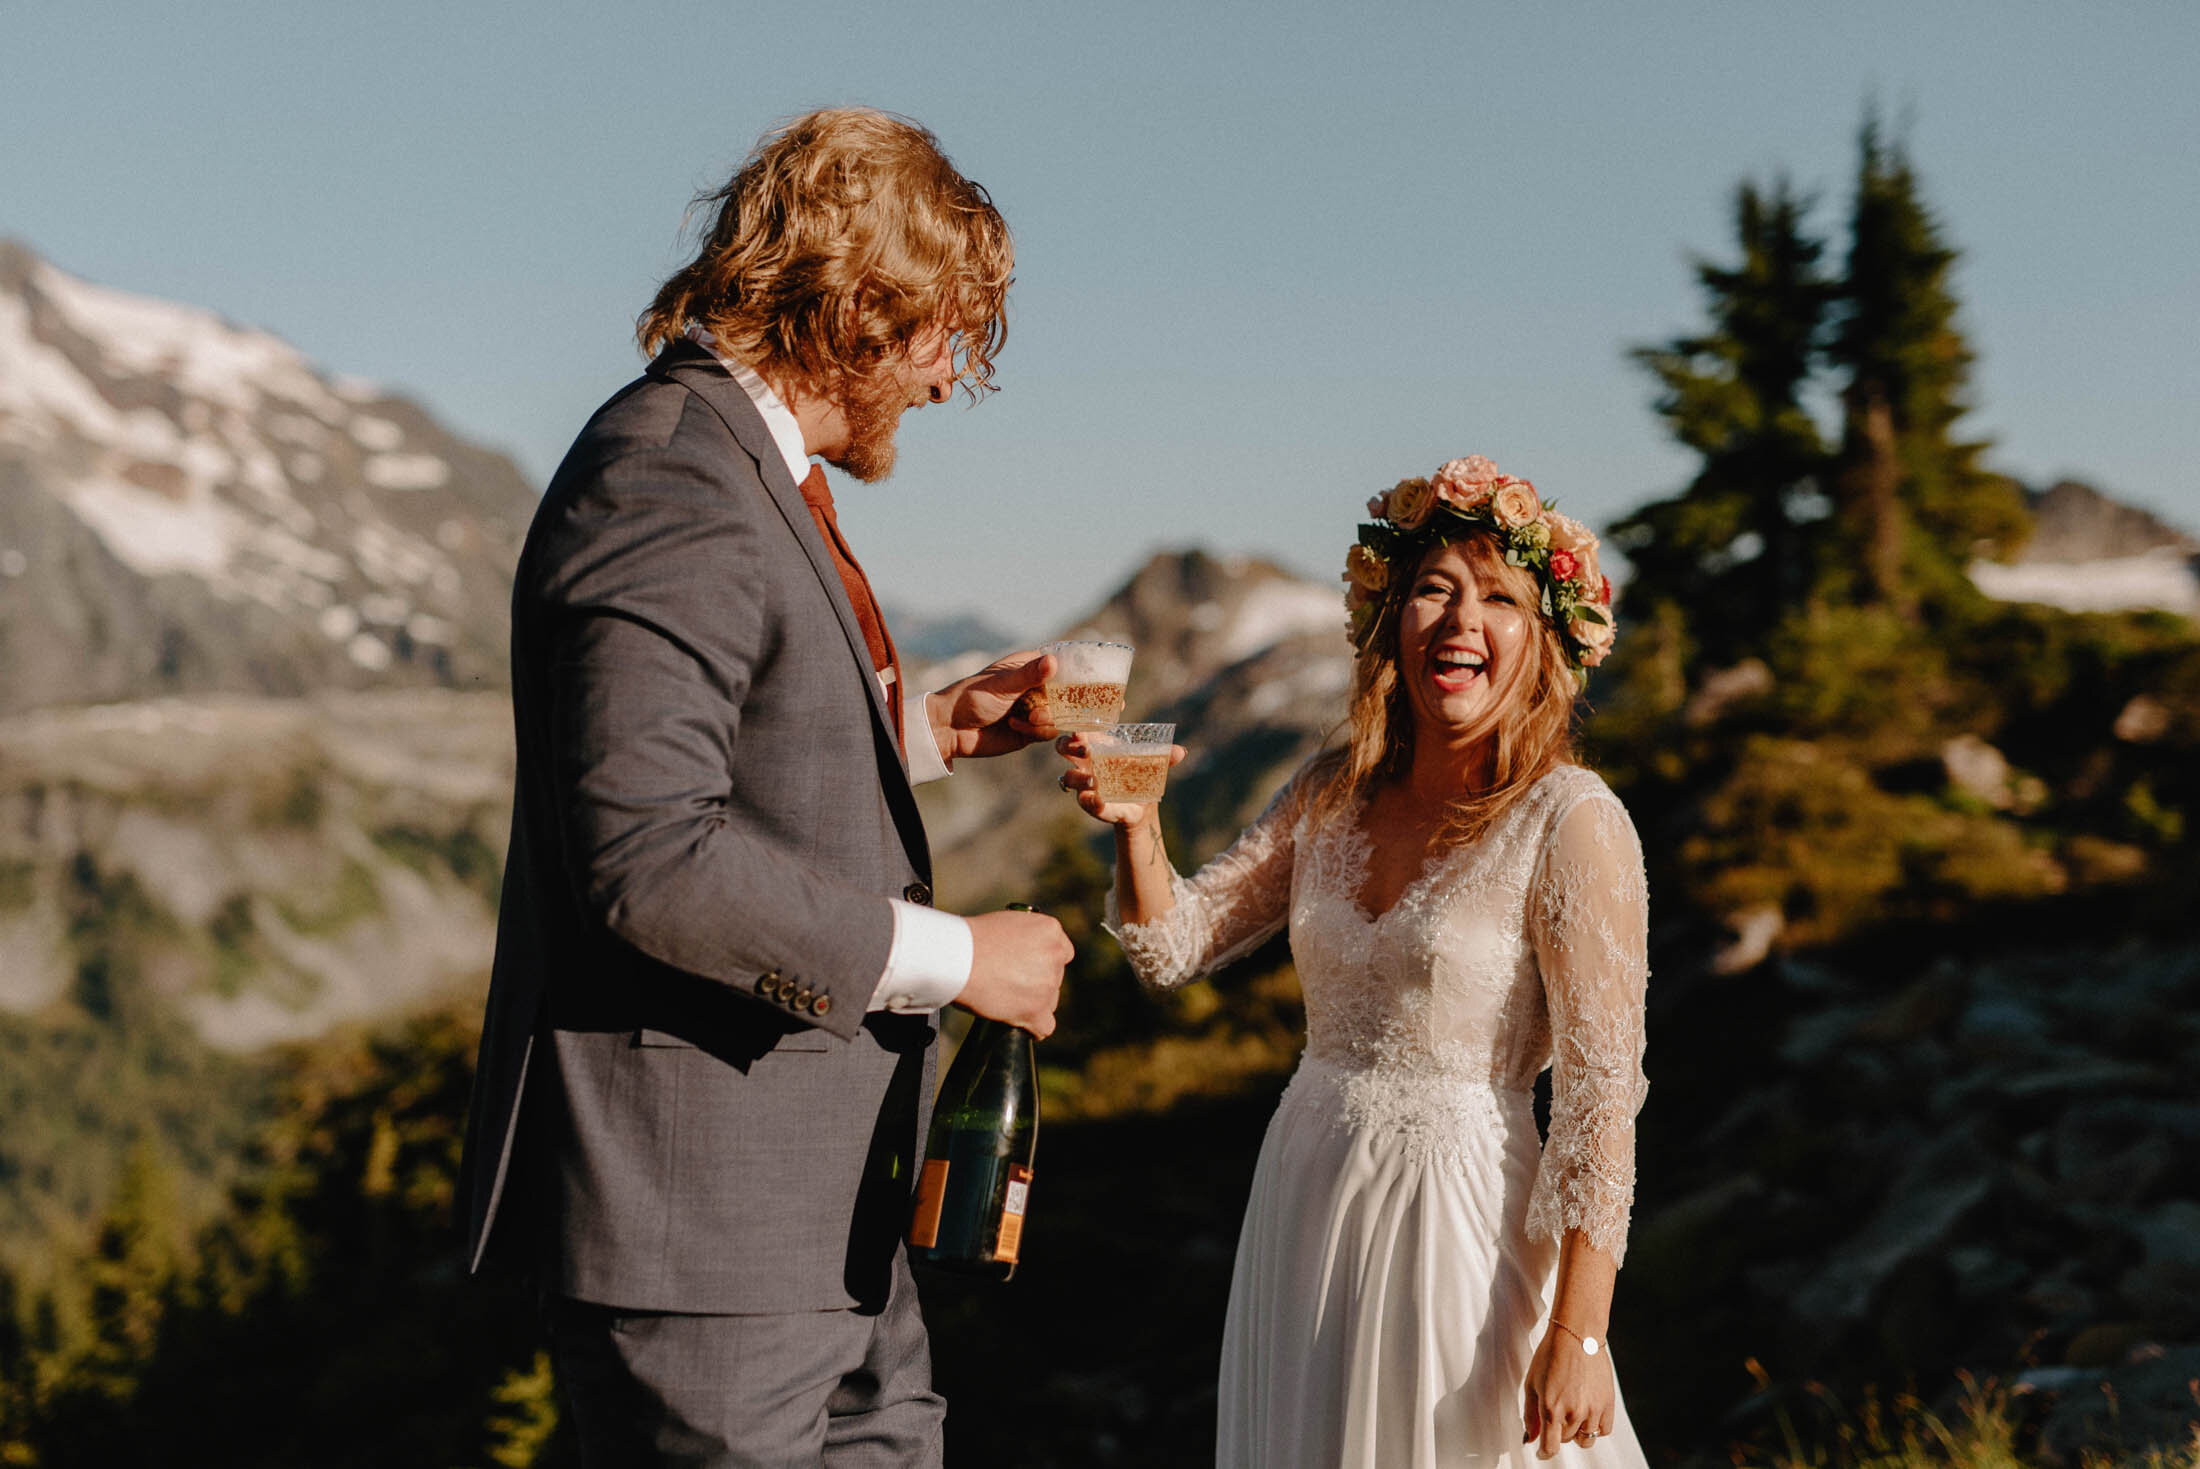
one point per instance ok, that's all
(1474, 469)
(1513, 502)
(1568, 534)
(1411, 504)
(1378, 506)
(1591, 574)
(1466, 482)
(1563, 565)
(1595, 639)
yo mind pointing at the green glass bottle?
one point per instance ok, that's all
(976, 1178)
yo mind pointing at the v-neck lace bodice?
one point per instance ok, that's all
(1523, 949)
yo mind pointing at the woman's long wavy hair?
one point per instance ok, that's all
(1531, 727)
(844, 234)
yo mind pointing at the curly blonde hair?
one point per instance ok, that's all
(842, 236)
(1532, 729)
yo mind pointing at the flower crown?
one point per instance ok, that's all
(1470, 494)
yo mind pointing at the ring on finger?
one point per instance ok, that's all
(1062, 780)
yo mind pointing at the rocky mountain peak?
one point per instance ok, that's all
(190, 506)
(2073, 521)
(1191, 614)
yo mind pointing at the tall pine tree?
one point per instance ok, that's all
(1915, 505)
(1741, 536)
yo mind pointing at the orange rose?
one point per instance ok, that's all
(1365, 570)
(1411, 503)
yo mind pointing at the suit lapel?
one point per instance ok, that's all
(696, 370)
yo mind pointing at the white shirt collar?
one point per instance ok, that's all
(778, 417)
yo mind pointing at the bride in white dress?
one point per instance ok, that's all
(1419, 1281)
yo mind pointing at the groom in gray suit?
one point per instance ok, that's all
(706, 1061)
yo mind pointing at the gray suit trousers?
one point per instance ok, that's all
(845, 1389)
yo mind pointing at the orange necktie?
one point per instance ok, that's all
(884, 659)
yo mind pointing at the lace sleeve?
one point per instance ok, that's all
(1226, 909)
(1589, 922)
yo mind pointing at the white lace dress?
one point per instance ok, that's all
(1394, 1267)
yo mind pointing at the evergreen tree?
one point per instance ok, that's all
(1740, 537)
(1749, 546)
(1915, 505)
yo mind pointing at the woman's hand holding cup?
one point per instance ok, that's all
(1116, 774)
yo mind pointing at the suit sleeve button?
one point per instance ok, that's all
(767, 984)
(802, 997)
(918, 893)
(822, 1005)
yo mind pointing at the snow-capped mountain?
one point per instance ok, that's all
(2090, 553)
(189, 506)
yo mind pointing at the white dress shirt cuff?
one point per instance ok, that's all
(929, 962)
(925, 762)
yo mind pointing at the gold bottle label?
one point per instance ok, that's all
(924, 1229)
(1012, 1213)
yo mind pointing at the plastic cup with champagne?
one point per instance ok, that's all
(1085, 691)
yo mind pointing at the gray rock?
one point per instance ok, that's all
(2172, 1234)
(1977, 769)
(2001, 1027)
(2087, 1078)
(2121, 1411)
(2121, 1174)
(1932, 1196)
(1755, 931)
(1813, 1037)
(1724, 688)
(1983, 1274)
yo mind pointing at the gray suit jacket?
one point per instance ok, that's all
(682, 1104)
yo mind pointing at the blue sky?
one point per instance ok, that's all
(1271, 257)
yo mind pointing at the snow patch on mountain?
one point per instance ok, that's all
(1277, 609)
(406, 472)
(2161, 578)
(378, 434)
(151, 532)
(1320, 683)
(200, 353)
(39, 386)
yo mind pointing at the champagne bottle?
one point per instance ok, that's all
(976, 1177)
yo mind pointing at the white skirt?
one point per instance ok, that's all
(1386, 1298)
